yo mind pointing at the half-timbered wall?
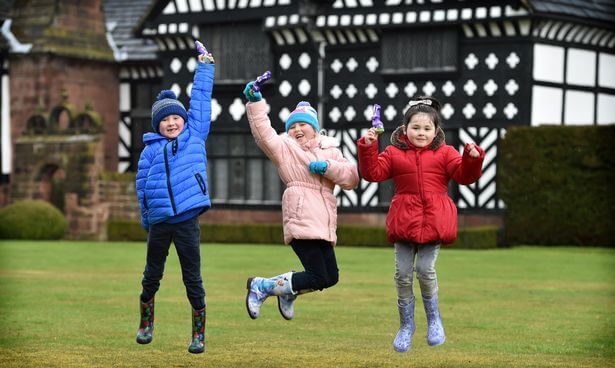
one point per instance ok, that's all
(491, 67)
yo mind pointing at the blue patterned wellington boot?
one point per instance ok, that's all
(197, 345)
(403, 339)
(146, 326)
(286, 302)
(435, 330)
(260, 288)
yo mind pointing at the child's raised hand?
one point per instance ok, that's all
(250, 94)
(207, 59)
(472, 151)
(371, 136)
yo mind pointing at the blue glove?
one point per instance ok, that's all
(319, 167)
(250, 94)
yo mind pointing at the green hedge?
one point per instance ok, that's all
(362, 236)
(557, 183)
(32, 220)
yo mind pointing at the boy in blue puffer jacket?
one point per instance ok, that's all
(172, 191)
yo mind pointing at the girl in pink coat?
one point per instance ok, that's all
(310, 165)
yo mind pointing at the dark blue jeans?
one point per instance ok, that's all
(318, 260)
(186, 237)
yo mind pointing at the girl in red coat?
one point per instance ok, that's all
(422, 216)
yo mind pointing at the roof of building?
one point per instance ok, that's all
(122, 17)
(598, 10)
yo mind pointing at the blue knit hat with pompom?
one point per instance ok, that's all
(166, 104)
(305, 113)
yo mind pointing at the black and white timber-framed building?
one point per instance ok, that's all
(492, 64)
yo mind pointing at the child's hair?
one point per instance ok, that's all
(426, 105)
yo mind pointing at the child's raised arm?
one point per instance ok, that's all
(199, 114)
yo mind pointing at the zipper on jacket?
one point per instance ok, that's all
(324, 200)
(421, 189)
(201, 182)
(174, 147)
(168, 172)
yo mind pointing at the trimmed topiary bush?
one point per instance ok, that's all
(32, 220)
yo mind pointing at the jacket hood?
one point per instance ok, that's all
(149, 138)
(400, 140)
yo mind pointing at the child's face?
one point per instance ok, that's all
(171, 126)
(421, 130)
(301, 132)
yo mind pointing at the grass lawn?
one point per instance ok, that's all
(75, 304)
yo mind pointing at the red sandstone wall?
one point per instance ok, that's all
(44, 79)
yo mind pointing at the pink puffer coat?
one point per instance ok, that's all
(309, 207)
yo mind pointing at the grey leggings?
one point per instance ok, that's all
(426, 255)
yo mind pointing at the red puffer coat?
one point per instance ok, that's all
(421, 210)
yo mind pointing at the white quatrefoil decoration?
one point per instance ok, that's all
(447, 111)
(283, 114)
(305, 60)
(176, 65)
(470, 87)
(285, 62)
(511, 87)
(371, 91)
(336, 92)
(512, 60)
(489, 110)
(410, 89)
(372, 64)
(490, 87)
(468, 111)
(335, 114)
(304, 87)
(350, 113)
(237, 109)
(429, 88)
(448, 88)
(285, 88)
(471, 61)
(391, 90)
(352, 64)
(336, 66)
(491, 61)
(390, 112)
(368, 112)
(351, 91)
(216, 109)
(510, 110)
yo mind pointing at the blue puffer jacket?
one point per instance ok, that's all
(172, 176)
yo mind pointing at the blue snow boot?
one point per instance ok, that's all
(260, 288)
(435, 330)
(403, 340)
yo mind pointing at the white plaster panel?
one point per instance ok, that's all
(606, 109)
(546, 105)
(548, 63)
(606, 70)
(581, 67)
(579, 108)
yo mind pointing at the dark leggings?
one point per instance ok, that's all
(185, 235)
(318, 259)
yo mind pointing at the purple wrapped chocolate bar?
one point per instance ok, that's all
(376, 122)
(200, 48)
(258, 83)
